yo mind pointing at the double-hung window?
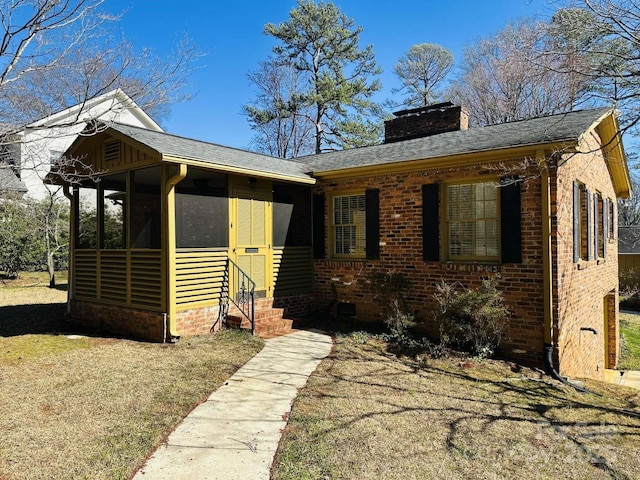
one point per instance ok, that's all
(349, 225)
(472, 221)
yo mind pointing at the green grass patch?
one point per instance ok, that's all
(29, 347)
(630, 338)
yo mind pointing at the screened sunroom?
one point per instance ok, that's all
(160, 220)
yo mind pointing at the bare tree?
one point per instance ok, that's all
(278, 115)
(629, 208)
(58, 53)
(607, 34)
(421, 70)
(505, 78)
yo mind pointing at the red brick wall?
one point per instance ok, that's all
(582, 288)
(197, 321)
(401, 252)
(612, 327)
(296, 306)
(145, 325)
(119, 320)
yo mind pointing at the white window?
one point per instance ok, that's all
(348, 226)
(472, 221)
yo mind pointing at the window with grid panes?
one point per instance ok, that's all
(472, 219)
(349, 225)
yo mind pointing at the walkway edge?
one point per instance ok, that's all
(235, 433)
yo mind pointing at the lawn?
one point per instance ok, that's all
(630, 338)
(366, 414)
(91, 407)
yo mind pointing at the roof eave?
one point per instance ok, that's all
(612, 147)
(238, 170)
(454, 160)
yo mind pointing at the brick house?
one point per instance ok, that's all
(531, 204)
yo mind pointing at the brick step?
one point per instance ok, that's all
(259, 314)
(267, 325)
(259, 306)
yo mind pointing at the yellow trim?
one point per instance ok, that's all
(614, 153)
(606, 332)
(237, 170)
(262, 191)
(169, 243)
(466, 159)
(547, 261)
(444, 221)
(332, 226)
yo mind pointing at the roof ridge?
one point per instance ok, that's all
(205, 142)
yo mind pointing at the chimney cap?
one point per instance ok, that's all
(428, 108)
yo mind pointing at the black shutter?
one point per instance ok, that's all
(431, 222)
(589, 226)
(510, 221)
(318, 227)
(605, 226)
(596, 230)
(372, 224)
(576, 222)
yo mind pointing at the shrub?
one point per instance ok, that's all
(472, 320)
(388, 288)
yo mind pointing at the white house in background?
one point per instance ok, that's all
(43, 142)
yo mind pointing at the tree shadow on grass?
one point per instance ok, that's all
(35, 319)
(472, 405)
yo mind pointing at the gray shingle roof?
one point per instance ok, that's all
(181, 147)
(537, 131)
(9, 182)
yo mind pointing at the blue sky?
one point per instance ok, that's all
(230, 33)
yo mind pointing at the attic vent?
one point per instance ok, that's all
(112, 151)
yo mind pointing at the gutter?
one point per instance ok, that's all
(547, 266)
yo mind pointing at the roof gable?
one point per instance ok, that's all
(96, 108)
(173, 148)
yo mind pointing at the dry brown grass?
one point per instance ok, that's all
(95, 407)
(367, 415)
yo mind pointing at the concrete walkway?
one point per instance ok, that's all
(234, 434)
(628, 378)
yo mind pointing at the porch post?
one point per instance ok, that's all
(169, 241)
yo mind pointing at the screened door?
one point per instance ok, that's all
(251, 235)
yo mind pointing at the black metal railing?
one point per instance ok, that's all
(238, 287)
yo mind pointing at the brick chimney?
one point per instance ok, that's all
(425, 121)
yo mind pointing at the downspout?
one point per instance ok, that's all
(170, 245)
(547, 269)
(72, 246)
